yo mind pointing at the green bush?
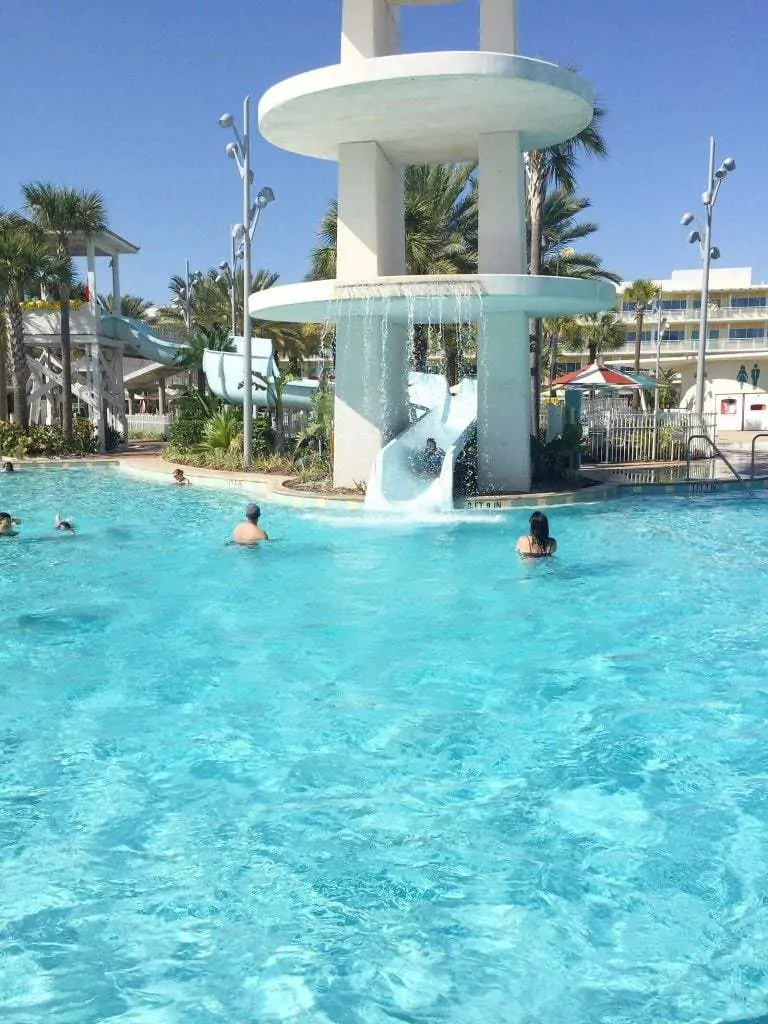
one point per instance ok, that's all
(113, 439)
(187, 433)
(228, 460)
(551, 460)
(47, 442)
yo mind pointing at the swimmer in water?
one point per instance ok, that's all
(538, 543)
(180, 479)
(249, 532)
(7, 523)
(65, 525)
(8, 467)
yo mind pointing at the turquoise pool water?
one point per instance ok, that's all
(378, 772)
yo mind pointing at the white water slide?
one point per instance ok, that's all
(139, 339)
(450, 419)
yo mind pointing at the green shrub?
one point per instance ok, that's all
(113, 439)
(47, 442)
(187, 433)
(228, 460)
(551, 460)
(223, 432)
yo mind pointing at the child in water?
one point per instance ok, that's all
(65, 525)
(7, 523)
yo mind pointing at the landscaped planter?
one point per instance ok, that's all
(48, 322)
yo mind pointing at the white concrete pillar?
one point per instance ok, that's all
(91, 257)
(503, 404)
(371, 227)
(116, 283)
(498, 26)
(98, 394)
(161, 396)
(369, 28)
(130, 403)
(501, 237)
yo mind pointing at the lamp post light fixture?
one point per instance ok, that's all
(240, 152)
(708, 253)
(661, 327)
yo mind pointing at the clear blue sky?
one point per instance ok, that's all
(124, 96)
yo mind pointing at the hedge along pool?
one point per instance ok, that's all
(380, 771)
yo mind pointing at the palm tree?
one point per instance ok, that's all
(3, 369)
(62, 212)
(25, 261)
(639, 295)
(556, 165)
(601, 333)
(133, 306)
(560, 229)
(559, 331)
(440, 231)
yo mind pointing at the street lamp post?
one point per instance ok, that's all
(240, 152)
(191, 281)
(229, 275)
(661, 326)
(708, 253)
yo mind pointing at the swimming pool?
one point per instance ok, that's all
(380, 771)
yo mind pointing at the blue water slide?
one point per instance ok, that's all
(224, 373)
(140, 339)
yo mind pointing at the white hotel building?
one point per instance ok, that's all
(737, 329)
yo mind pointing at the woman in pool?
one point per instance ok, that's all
(180, 479)
(538, 543)
(7, 523)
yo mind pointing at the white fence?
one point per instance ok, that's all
(148, 423)
(615, 435)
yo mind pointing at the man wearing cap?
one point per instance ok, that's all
(249, 532)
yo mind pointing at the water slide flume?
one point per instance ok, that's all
(395, 483)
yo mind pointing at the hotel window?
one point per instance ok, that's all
(630, 307)
(746, 301)
(712, 333)
(646, 336)
(673, 336)
(746, 332)
(674, 304)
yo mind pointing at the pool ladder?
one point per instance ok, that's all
(711, 485)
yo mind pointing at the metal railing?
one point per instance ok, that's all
(693, 313)
(614, 435)
(752, 458)
(718, 454)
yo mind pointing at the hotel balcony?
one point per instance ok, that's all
(693, 315)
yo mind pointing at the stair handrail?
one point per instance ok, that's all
(718, 454)
(752, 460)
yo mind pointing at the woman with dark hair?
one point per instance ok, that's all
(538, 543)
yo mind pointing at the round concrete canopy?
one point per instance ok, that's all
(425, 107)
(450, 298)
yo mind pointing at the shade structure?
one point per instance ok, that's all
(598, 375)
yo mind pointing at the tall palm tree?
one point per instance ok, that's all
(559, 331)
(555, 166)
(601, 333)
(440, 231)
(3, 368)
(560, 229)
(25, 261)
(63, 212)
(639, 295)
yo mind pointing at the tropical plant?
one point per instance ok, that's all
(4, 361)
(669, 389)
(63, 212)
(317, 436)
(599, 333)
(440, 231)
(639, 296)
(133, 306)
(559, 332)
(545, 168)
(25, 262)
(222, 432)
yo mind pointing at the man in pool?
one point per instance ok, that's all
(65, 525)
(249, 532)
(7, 523)
(179, 478)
